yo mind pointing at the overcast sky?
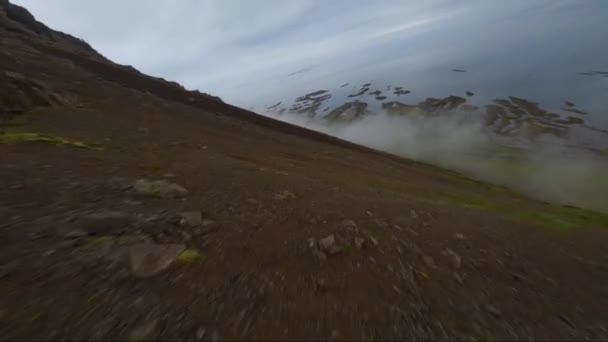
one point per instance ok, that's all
(255, 51)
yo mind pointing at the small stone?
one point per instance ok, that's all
(169, 175)
(186, 236)
(455, 259)
(215, 336)
(16, 187)
(328, 244)
(459, 236)
(191, 218)
(149, 259)
(49, 252)
(413, 214)
(144, 332)
(373, 240)
(369, 213)
(335, 334)
(131, 202)
(284, 195)
(493, 310)
(349, 224)
(429, 261)
(200, 333)
(207, 222)
(359, 242)
(160, 188)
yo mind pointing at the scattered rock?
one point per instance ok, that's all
(283, 195)
(328, 245)
(149, 259)
(493, 310)
(144, 332)
(207, 222)
(161, 188)
(191, 218)
(429, 261)
(455, 259)
(373, 240)
(459, 236)
(200, 333)
(349, 224)
(16, 187)
(169, 175)
(105, 223)
(359, 242)
(369, 213)
(469, 93)
(413, 214)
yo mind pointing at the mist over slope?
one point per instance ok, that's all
(540, 170)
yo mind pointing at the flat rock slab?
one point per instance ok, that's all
(161, 188)
(104, 223)
(149, 259)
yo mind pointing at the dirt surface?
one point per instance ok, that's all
(131, 209)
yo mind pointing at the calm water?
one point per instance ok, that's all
(547, 52)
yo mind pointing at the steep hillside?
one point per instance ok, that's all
(132, 208)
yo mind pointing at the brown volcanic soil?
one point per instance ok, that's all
(437, 262)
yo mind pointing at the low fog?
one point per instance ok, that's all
(538, 171)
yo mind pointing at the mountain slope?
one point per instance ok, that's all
(135, 209)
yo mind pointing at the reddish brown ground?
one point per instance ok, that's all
(257, 277)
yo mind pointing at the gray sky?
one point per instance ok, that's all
(257, 51)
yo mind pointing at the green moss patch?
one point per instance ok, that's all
(562, 218)
(29, 137)
(188, 256)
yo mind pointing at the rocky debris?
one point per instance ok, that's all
(350, 225)
(359, 242)
(413, 214)
(459, 236)
(160, 188)
(105, 223)
(200, 333)
(191, 218)
(284, 195)
(144, 332)
(373, 240)
(149, 259)
(455, 259)
(208, 222)
(329, 245)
